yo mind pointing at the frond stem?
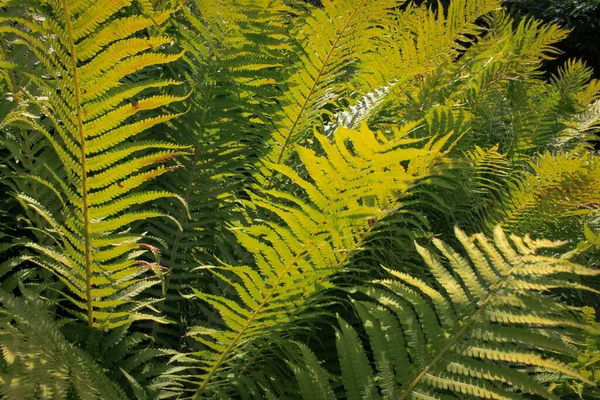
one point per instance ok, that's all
(264, 302)
(84, 183)
(457, 336)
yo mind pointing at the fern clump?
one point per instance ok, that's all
(197, 197)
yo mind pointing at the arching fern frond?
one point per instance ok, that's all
(485, 326)
(329, 41)
(348, 190)
(89, 90)
(354, 48)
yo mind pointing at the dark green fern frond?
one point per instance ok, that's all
(484, 326)
(232, 61)
(37, 360)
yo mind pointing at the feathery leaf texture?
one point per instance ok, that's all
(352, 187)
(483, 326)
(89, 53)
(362, 45)
(275, 150)
(233, 60)
(39, 362)
(557, 187)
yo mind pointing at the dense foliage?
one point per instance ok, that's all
(270, 199)
(582, 17)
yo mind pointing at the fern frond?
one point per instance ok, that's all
(583, 126)
(83, 86)
(330, 41)
(232, 61)
(38, 361)
(462, 333)
(351, 188)
(559, 186)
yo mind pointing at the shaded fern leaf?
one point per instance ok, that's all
(232, 61)
(37, 360)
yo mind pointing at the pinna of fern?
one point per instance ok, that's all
(82, 91)
(485, 325)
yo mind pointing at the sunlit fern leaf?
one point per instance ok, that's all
(348, 190)
(418, 43)
(37, 360)
(557, 187)
(330, 41)
(87, 51)
(484, 325)
(494, 71)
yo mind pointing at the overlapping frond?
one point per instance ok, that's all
(422, 41)
(330, 42)
(492, 73)
(37, 360)
(94, 108)
(347, 191)
(582, 127)
(514, 114)
(485, 326)
(232, 61)
(547, 198)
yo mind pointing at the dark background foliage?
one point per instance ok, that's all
(581, 16)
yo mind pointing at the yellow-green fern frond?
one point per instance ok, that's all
(582, 126)
(419, 42)
(347, 191)
(88, 87)
(474, 328)
(357, 47)
(559, 186)
(330, 41)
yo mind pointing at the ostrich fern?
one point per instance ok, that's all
(483, 315)
(200, 184)
(77, 86)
